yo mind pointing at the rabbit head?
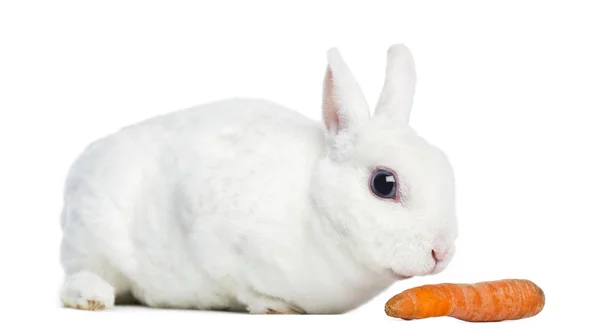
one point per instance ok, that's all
(383, 191)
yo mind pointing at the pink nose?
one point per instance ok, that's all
(439, 255)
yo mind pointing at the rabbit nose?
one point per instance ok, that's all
(439, 255)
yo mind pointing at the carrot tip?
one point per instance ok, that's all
(540, 291)
(400, 306)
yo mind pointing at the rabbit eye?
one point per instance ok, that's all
(384, 184)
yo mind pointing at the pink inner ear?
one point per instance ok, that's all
(330, 111)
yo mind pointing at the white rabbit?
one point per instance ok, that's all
(245, 205)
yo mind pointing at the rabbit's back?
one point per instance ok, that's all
(229, 169)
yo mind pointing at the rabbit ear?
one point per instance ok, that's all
(344, 105)
(396, 98)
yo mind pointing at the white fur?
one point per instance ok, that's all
(245, 205)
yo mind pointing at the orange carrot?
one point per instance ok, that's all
(507, 299)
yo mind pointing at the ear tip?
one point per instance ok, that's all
(333, 54)
(399, 50)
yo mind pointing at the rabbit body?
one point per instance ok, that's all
(246, 205)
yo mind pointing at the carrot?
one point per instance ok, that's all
(506, 299)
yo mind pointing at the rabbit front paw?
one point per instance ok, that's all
(262, 304)
(87, 291)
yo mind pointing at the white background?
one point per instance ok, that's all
(509, 89)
